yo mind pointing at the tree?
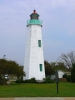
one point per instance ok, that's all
(19, 72)
(48, 69)
(73, 73)
(10, 68)
(60, 66)
(68, 59)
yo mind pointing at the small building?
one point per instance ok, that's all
(60, 74)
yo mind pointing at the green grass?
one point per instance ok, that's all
(38, 90)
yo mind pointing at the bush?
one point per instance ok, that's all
(73, 73)
(32, 80)
(73, 76)
(3, 81)
(68, 78)
(48, 80)
(62, 79)
(19, 81)
(65, 76)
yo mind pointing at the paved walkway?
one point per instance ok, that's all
(40, 98)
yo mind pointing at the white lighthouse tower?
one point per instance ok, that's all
(34, 59)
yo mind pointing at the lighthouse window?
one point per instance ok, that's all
(40, 67)
(39, 43)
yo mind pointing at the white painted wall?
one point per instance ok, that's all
(34, 54)
(60, 74)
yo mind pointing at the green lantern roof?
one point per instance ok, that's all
(34, 19)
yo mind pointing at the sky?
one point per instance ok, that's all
(58, 29)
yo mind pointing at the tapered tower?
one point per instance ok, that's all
(34, 59)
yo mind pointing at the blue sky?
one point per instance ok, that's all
(58, 27)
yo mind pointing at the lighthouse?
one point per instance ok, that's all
(34, 58)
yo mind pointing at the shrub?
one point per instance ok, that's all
(73, 76)
(19, 81)
(73, 73)
(32, 80)
(65, 76)
(62, 80)
(48, 80)
(68, 78)
(3, 81)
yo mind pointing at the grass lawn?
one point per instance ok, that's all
(38, 90)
